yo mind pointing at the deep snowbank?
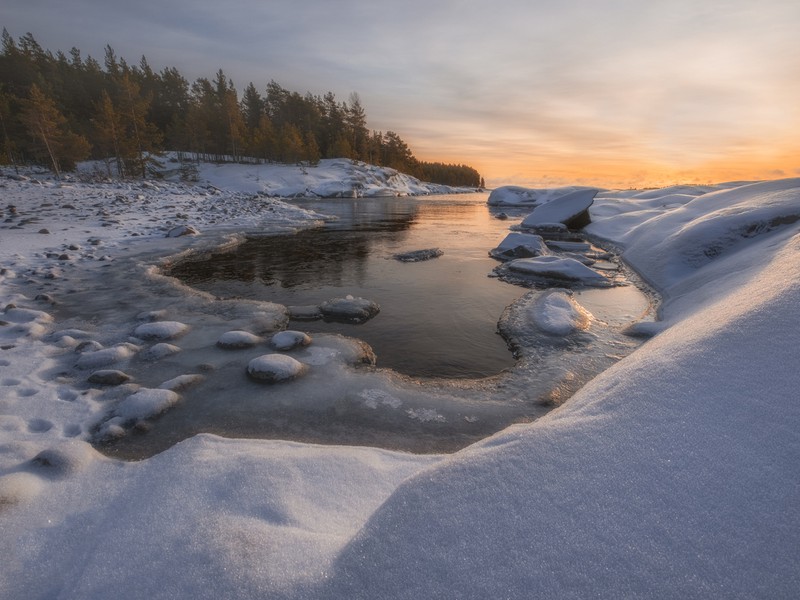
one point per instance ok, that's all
(672, 474)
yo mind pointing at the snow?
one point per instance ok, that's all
(672, 474)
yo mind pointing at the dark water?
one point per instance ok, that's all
(438, 317)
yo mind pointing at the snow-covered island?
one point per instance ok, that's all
(675, 473)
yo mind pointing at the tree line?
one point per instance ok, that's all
(59, 109)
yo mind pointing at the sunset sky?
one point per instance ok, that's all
(617, 93)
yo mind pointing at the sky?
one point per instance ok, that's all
(614, 93)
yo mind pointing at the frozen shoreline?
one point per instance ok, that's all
(641, 485)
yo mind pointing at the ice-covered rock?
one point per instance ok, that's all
(160, 330)
(514, 195)
(109, 377)
(146, 403)
(160, 350)
(274, 368)
(419, 255)
(237, 339)
(558, 313)
(558, 268)
(104, 357)
(26, 315)
(519, 245)
(181, 382)
(571, 210)
(181, 230)
(289, 340)
(349, 309)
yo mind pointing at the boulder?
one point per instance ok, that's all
(274, 368)
(571, 210)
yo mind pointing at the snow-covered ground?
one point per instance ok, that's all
(674, 473)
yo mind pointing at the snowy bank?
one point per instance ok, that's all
(672, 474)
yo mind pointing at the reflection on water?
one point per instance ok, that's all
(438, 318)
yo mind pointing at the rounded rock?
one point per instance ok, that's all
(109, 377)
(289, 340)
(237, 339)
(274, 368)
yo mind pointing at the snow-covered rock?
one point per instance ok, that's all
(558, 313)
(274, 368)
(234, 340)
(558, 268)
(160, 330)
(571, 210)
(146, 403)
(514, 195)
(108, 377)
(520, 245)
(104, 357)
(289, 340)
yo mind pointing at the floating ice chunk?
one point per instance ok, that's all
(160, 330)
(146, 403)
(289, 340)
(102, 358)
(558, 313)
(349, 309)
(233, 340)
(520, 245)
(557, 267)
(273, 368)
(572, 210)
(419, 255)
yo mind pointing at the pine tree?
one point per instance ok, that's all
(47, 127)
(108, 129)
(140, 139)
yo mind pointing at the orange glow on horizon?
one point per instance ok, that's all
(622, 172)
